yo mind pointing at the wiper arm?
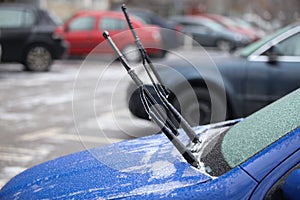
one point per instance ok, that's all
(154, 112)
(161, 92)
(144, 55)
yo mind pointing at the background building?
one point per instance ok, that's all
(276, 12)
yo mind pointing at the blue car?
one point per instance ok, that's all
(254, 158)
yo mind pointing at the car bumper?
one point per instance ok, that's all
(60, 49)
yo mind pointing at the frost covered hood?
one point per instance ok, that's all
(140, 167)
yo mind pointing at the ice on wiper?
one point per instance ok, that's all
(160, 89)
(156, 112)
(195, 147)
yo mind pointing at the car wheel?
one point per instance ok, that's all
(38, 58)
(224, 45)
(195, 106)
(131, 53)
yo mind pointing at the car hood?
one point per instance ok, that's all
(131, 168)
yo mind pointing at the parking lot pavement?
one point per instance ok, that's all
(75, 106)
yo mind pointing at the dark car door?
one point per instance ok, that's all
(273, 73)
(257, 92)
(15, 28)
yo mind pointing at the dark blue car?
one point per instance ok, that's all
(209, 33)
(255, 158)
(211, 87)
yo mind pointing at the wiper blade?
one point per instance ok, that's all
(154, 110)
(160, 89)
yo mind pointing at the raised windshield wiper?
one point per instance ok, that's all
(151, 106)
(160, 89)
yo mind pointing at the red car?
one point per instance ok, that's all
(233, 26)
(83, 32)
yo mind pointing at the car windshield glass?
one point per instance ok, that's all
(261, 129)
(254, 46)
(233, 146)
(214, 25)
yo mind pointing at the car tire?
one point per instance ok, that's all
(38, 58)
(224, 45)
(195, 106)
(131, 53)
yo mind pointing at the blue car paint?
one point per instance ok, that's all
(289, 189)
(266, 184)
(114, 171)
(235, 184)
(144, 168)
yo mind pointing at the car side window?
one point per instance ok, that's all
(290, 46)
(112, 24)
(198, 27)
(28, 18)
(287, 47)
(187, 24)
(10, 18)
(277, 190)
(16, 18)
(191, 25)
(82, 24)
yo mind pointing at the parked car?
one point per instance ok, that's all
(257, 158)
(250, 79)
(233, 26)
(27, 36)
(209, 33)
(260, 33)
(83, 32)
(171, 39)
